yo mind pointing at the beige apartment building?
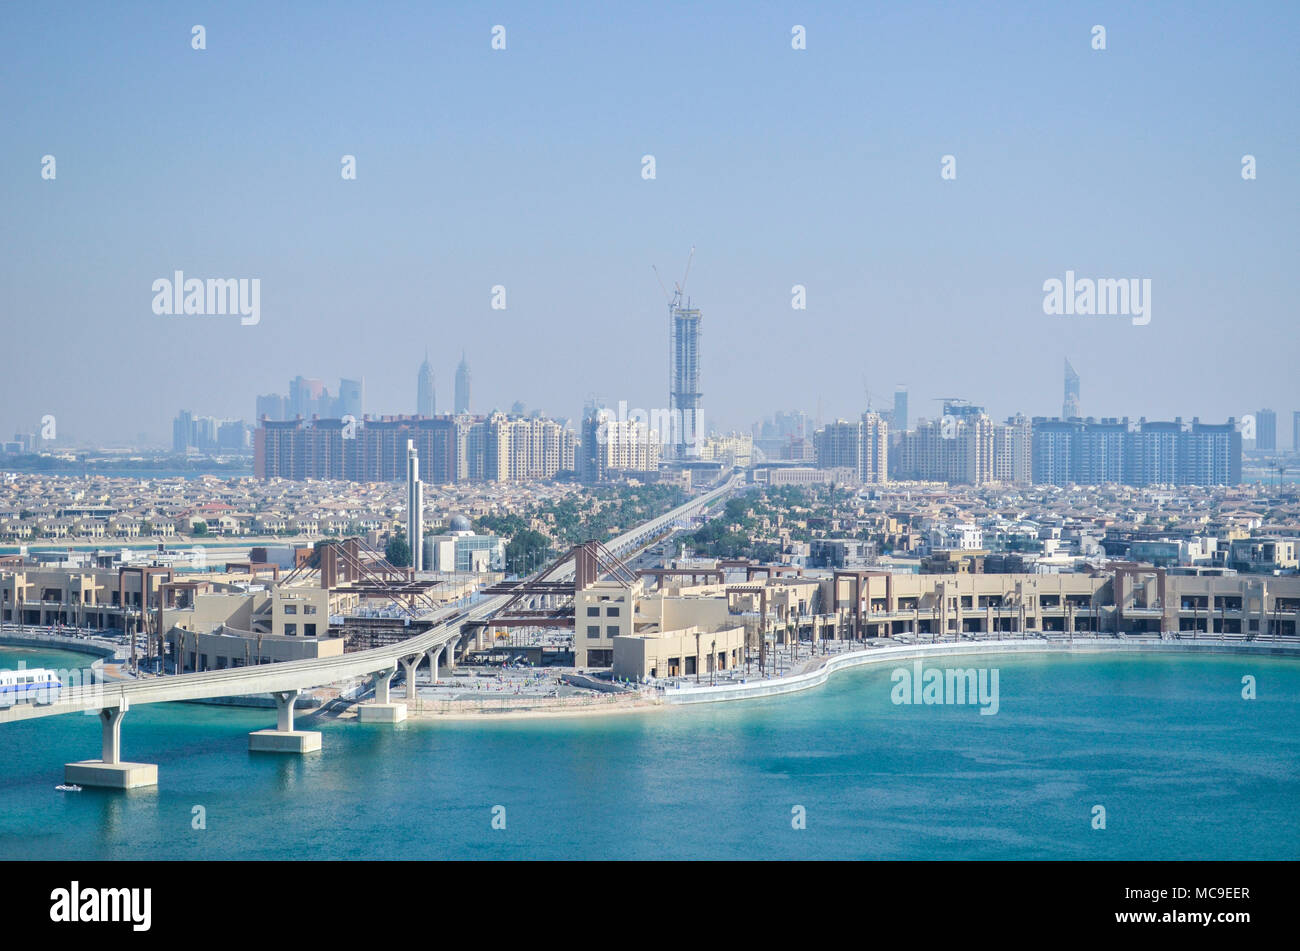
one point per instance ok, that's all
(523, 449)
(611, 446)
(1128, 599)
(861, 446)
(80, 597)
(602, 612)
(733, 451)
(956, 449)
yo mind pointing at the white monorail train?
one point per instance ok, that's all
(28, 686)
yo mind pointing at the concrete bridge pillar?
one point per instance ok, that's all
(382, 680)
(435, 655)
(284, 738)
(110, 770)
(382, 710)
(111, 721)
(451, 654)
(284, 702)
(409, 666)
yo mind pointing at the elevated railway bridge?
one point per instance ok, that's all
(447, 630)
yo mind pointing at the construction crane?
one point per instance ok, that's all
(872, 396)
(679, 290)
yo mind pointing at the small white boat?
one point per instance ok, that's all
(66, 787)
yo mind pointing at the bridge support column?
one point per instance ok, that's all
(284, 738)
(109, 770)
(435, 656)
(381, 710)
(451, 654)
(409, 667)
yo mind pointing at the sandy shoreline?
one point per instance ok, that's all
(452, 710)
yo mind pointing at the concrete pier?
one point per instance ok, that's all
(109, 770)
(409, 666)
(284, 738)
(382, 709)
(435, 654)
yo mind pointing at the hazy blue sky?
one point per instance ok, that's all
(523, 168)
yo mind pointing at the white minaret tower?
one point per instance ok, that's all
(414, 506)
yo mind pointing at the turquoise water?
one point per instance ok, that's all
(1184, 767)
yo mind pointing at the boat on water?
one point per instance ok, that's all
(68, 787)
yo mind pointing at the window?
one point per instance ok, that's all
(290, 630)
(291, 609)
(309, 609)
(612, 612)
(593, 630)
(309, 630)
(593, 612)
(611, 630)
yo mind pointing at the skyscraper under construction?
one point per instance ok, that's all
(684, 371)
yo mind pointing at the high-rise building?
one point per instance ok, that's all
(733, 450)
(452, 448)
(1013, 451)
(786, 436)
(612, 446)
(414, 507)
(1096, 452)
(272, 406)
(861, 446)
(522, 449)
(1211, 455)
(351, 399)
(959, 448)
(900, 423)
(425, 401)
(462, 386)
(308, 398)
(232, 434)
(684, 377)
(207, 433)
(182, 431)
(1070, 407)
(1101, 452)
(837, 445)
(1266, 430)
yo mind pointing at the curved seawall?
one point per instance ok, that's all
(819, 674)
(54, 642)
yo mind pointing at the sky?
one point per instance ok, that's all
(523, 168)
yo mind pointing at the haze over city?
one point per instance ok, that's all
(523, 168)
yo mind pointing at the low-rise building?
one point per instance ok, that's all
(691, 651)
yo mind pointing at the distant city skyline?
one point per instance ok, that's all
(511, 183)
(314, 399)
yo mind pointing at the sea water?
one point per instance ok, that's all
(1183, 765)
